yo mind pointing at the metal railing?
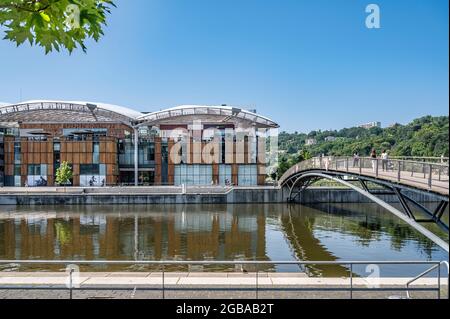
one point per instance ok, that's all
(438, 267)
(351, 288)
(426, 174)
(433, 159)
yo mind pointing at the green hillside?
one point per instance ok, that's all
(426, 136)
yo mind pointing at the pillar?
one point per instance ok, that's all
(136, 157)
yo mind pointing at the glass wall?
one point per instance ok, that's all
(248, 175)
(92, 175)
(37, 175)
(85, 134)
(193, 174)
(146, 154)
(17, 175)
(225, 175)
(17, 162)
(96, 153)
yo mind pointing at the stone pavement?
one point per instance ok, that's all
(203, 285)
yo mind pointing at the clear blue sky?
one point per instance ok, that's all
(306, 64)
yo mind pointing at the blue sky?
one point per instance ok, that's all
(306, 64)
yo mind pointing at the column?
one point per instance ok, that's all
(136, 157)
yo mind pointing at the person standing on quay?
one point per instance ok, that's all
(373, 155)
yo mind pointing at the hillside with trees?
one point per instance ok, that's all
(426, 136)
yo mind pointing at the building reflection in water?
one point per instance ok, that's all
(327, 232)
(133, 233)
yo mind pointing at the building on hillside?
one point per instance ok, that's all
(310, 141)
(112, 145)
(370, 125)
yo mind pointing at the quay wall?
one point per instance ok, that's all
(153, 196)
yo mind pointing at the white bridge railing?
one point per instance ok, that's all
(424, 174)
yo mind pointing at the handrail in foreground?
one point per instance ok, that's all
(426, 273)
(350, 264)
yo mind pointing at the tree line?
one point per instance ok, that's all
(426, 136)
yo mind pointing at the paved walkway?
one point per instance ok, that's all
(202, 285)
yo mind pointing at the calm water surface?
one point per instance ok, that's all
(328, 232)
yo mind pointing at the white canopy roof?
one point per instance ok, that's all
(214, 113)
(67, 111)
(82, 111)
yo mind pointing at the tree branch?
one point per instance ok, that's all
(21, 8)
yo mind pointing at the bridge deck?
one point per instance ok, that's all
(408, 173)
(416, 181)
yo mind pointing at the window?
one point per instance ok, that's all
(37, 175)
(225, 175)
(17, 151)
(34, 170)
(151, 152)
(85, 134)
(37, 170)
(96, 153)
(193, 174)
(89, 169)
(248, 175)
(93, 175)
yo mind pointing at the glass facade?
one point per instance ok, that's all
(146, 154)
(225, 177)
(96, 153)
(84, 134)
(193, 175)
(37, 175)
(248, 175)
(92, 175)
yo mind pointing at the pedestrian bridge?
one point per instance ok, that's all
(371, 177)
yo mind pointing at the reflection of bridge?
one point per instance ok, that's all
(391, 177)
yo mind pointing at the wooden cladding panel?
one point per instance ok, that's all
(110, 170)
(77, 152)
(76, 169)
(36, 152)
(234, 174)
(23, 169)
(76, 158)
(111, 180)
(158, 160)
(9, 170)
(215, 173)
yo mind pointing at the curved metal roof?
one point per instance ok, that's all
(223, 114)
(66, 111)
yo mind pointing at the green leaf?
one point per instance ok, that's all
(44, 16)
(44, 22)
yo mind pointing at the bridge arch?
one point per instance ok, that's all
(304, 174)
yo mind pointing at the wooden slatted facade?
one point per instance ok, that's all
(76, 153)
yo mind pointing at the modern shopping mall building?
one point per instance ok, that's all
(112, 145)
